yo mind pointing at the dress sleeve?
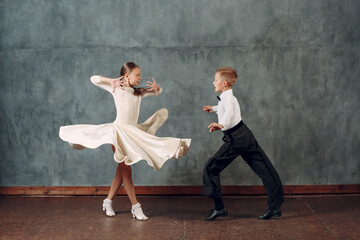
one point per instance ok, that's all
(96, 81)
(145, 93)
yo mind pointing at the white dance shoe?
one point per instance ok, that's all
(138, 213)
(107, 207)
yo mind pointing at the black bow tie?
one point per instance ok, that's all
(218, 98)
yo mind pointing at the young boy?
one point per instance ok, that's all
(238, 140)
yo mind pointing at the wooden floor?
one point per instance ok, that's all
(179, 217)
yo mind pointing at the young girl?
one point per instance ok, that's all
(130, 141)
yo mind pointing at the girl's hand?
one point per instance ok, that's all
(153, 87)
(117, 82)
(214, 126)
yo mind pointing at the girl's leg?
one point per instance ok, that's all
(126, 174)
(115, 185)
(116, 182)
(123, 175)
(136, 209)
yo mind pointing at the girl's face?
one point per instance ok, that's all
(134, 77)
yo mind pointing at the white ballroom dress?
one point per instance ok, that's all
(132, 141)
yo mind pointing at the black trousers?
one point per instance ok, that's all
(240, 141)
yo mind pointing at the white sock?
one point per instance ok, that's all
(138, 213)
(107, 207)
(135, 206)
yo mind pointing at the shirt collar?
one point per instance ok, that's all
(226, 93)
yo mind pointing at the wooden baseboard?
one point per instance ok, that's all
(176, 190)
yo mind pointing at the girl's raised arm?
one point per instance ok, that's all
(109, 84)
(153, 89)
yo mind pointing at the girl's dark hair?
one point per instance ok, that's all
(127, 68)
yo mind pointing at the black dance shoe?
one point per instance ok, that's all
(216, 213)
(269, 214)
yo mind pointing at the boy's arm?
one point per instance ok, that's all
(228, 115)
(224, 121)
(213, 126)
(209, 108)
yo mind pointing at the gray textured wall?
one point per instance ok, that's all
(298, 63)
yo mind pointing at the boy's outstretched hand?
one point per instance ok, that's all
(214, 126)
(208, 108)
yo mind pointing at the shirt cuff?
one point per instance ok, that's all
(224, 126)
(215, 108)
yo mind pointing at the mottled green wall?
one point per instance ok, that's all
(298, 88)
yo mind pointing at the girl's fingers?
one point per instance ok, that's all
(152, 87)
(153, 81)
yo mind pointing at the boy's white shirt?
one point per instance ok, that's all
(228, 110)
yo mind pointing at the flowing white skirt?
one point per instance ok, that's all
(133, 142)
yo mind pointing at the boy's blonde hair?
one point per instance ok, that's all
(228, 74)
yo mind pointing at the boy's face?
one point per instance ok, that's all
(218, 83)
